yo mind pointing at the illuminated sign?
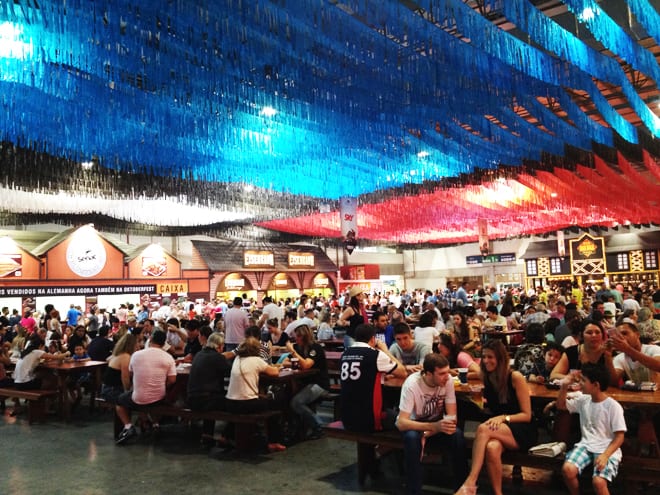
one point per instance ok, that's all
(73, 290)
(258, 259)
(154, 266)
(10, 265)
(321, 281)
(301, 260)
(173, 288)
(587, 248)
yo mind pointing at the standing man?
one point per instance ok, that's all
(72, 316)
(462, 295)
(269, 311)
(236, 321)
(427, 414)
(362, 368)
(153, 370)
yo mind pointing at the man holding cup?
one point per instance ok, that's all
(427, 414)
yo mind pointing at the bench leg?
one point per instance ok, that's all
(243, 435)
(36, 410)
(366, 461)
(516, 475)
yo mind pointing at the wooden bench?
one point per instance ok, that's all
(631, 469)
(393, 440)
(244, 423)
(36, 400)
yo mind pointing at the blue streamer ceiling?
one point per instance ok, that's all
(325, 99)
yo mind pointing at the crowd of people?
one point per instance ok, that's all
(415, 342)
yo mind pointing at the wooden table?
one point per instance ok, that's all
(332, 344)
(503, 335)
(63, 371)
(541, 392)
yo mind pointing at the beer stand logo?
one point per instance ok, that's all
(587, 247)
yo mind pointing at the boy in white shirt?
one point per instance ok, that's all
(602, 426)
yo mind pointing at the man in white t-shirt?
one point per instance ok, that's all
(153, 370)
(427, 414)
(636, 361)
(269, 311)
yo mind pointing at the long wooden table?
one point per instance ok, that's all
(65, 369)
(642, 399)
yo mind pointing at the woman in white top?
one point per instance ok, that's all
(25, 375)
(426, 332)
(243, 391)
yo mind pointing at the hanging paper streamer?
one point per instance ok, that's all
(349, 227)
(561, 248)
(484, 242)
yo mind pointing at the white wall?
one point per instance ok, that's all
(432, 268)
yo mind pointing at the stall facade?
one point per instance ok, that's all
(259, 269)
(625, 258)
(81, 266)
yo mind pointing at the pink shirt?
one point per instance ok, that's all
(150, 368)
(464, 360)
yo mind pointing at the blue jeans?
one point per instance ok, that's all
(300, 404)
(348, 341)
(453, 446)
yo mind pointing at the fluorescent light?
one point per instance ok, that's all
(423, 154)
(587, 14)
(268, 112)
(11, 45)
(87, 165)
(553, 195)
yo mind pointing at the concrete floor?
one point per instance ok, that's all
(80, 457)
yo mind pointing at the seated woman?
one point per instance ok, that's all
(509, 427)
(325, 331)
(456, 357)
(277, 337)
(310, 355)
(594, 350)
(425, 332)
(529, 358)
(117, 378)
(243, 392)
(466, 331)
(265, 351)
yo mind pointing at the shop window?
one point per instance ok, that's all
(650, 260)
(555, 266)
(622, 262)
(532, 269)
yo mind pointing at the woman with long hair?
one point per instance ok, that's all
(353, 315)
(243, 391)
(593, 349)
(509, 427)
(276, 334)
(466, 334)
(310, 355)
(25, 375)
(117, 377)
(457, 357)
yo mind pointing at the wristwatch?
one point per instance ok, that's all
(507, 419)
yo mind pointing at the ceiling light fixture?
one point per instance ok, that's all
(268, 112)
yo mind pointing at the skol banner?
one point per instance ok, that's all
(484, 244)
(348, 212)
